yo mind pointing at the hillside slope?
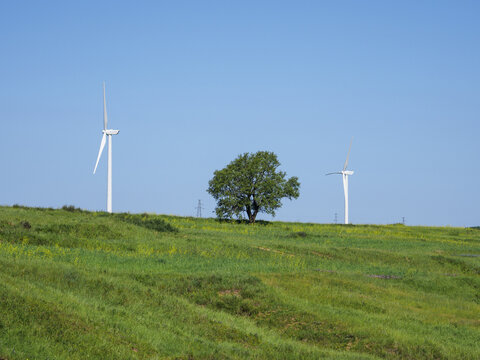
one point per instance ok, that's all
(77, 285)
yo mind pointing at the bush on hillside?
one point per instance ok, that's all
(71, 208)
(18, 232)
(147, 221)
(17, 206)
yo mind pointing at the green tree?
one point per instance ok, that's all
(251, 184)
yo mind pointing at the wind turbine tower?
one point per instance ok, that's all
(345, 174)
(107, 132)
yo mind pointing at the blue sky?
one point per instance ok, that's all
(193, 84)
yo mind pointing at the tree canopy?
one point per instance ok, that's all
(251, 184)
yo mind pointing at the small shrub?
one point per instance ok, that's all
(147, 221)
(17, 206)
(71, 208)
(17, 232)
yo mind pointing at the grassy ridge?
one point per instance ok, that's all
(77, 284)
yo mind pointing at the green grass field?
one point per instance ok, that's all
(85, 285)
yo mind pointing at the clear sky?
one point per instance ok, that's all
(192, 84)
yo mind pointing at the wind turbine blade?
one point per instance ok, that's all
(102, 145)
(348, 154)
(338, 172)
(105, 120)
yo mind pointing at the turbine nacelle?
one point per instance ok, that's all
(110, 132)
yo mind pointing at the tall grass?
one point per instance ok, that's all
(79, 284)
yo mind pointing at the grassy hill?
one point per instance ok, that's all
(79, 285)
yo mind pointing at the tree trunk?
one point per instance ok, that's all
(255, 212)
(249, 214)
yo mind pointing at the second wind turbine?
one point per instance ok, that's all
(107, 132)
(345, 174)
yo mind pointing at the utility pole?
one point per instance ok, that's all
(199, 209)
(335, 219)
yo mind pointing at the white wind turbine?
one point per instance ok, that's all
(345, 173)
(107, 132)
